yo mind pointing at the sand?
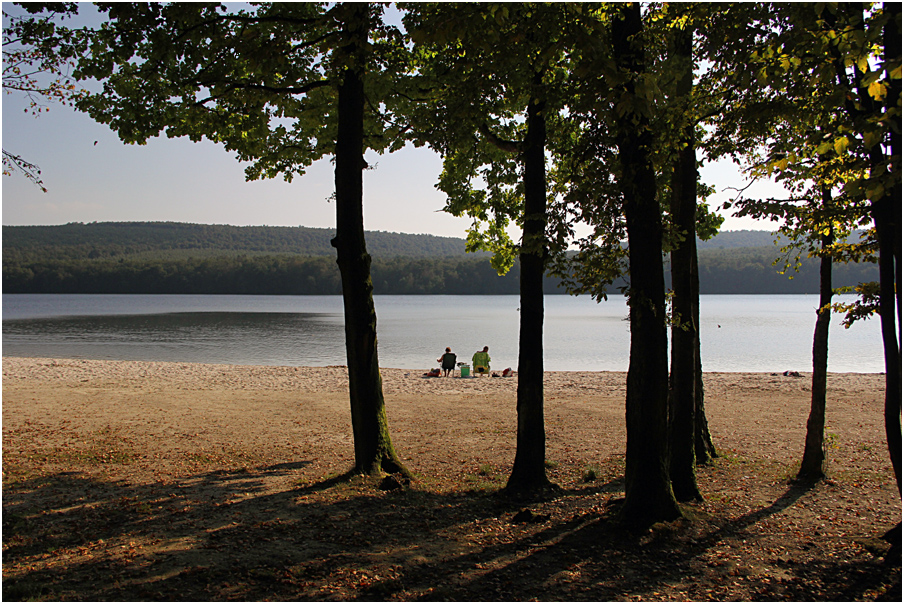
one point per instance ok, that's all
(159, 472)
(284, 413)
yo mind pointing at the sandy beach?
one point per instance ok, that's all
(273, 434)
(286, 413)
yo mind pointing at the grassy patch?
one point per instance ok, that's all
(591, 473)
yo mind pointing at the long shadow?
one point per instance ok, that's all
(213, 535)
(594, 557)
(795, 491)
(219, 535)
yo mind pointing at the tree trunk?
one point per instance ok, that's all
(888, 226)
(704, 448)
(812, 467)
(885, 211)
(529, 469)
(685, 332)
(890, 249)
(374, 452)
(648, 491)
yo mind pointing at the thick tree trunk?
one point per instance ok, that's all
(887, 219)
(685, 332)
(529, 469)
(374, 452)
(890, 248)
(704, 448)
(648, 490)
(812, 467)
(886, 215)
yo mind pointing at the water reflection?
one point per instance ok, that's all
(260, 338)
(738, 333)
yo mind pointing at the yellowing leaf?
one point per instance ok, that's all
(877, 90)
(841, 145)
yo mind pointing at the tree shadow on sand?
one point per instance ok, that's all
(225, 535)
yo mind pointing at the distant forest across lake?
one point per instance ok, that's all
(180, 258)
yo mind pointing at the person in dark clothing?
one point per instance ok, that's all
(448, 361)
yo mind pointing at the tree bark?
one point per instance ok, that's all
(648, 491)
(685, 331)
(529, 469)
(888, 211)
(704, 448)
(374, 452)
(885, 211)
(812, 467)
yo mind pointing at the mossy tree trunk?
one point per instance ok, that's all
(374, 452)
(888, 212)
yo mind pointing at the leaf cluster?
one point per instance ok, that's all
(262, 81)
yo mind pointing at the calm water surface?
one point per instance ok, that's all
(739, 333)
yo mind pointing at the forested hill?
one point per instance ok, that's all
(176, 258)
(110, 239)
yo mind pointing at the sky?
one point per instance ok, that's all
(91, 176)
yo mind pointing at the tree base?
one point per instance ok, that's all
(529, 490)
(640, 519)
(385, 467)
(809, 479)
(687, 495)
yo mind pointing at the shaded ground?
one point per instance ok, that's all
(104, 504)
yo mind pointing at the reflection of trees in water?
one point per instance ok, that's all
(235, 337)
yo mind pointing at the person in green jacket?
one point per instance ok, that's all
(481, 361)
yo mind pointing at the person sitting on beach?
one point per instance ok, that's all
(481, 361)
(448, 361)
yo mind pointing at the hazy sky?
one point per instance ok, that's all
(91, 176)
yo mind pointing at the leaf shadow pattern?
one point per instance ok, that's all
(224, 535)
(593, 557)
(211, 535)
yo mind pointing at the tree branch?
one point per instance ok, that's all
(274, 89)
(507, 146)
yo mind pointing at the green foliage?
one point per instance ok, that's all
(803, 87)
(488, 67)
(261, 80)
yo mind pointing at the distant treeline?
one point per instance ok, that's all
(262, 274)
(739, 271)
(177, 258)
(121, 239)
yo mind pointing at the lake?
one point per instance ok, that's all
(738, 332)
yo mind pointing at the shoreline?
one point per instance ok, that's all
(61, 360)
